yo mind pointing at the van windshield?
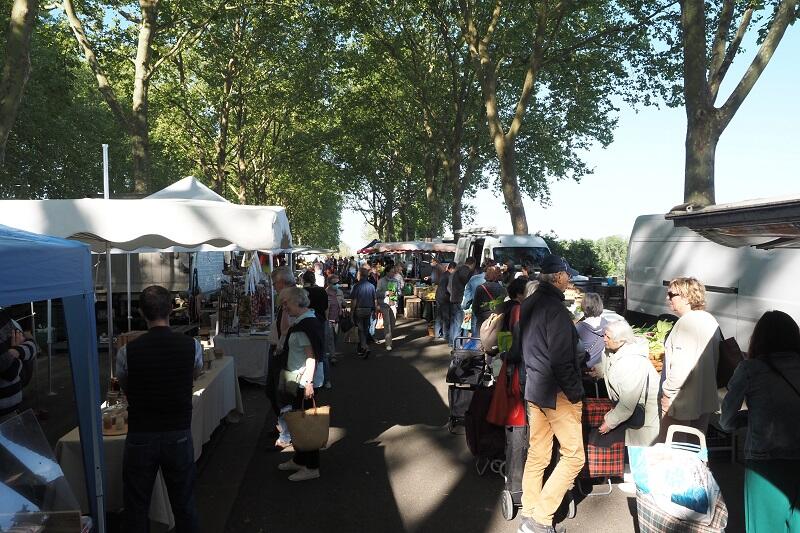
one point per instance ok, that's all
(520, 255)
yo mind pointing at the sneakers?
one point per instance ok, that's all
(388, 348)
(328, 385)
(305, 474)
(363, 354)
(290, 465)
(529, 525)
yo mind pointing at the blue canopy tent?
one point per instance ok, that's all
(34, 268)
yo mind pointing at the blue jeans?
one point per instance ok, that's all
(456, 318)
(145, 453)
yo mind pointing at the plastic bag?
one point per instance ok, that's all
(679, 481)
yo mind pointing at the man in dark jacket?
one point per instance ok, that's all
(554, 394)
(456, 284)
(442, 326)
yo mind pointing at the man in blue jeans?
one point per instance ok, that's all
(456, 284)
(363, 304)
(156, 371)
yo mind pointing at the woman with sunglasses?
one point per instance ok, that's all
(689, 391)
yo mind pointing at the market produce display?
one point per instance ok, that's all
(656, 335)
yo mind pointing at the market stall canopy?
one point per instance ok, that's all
(764, 223)
(365, 249)
(37, 267)
(137, 225)
(315, 251)
(410, 246)
(189, 188)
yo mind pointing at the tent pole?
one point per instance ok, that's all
(109, 313)
(35, 361)
(50, 348)
(128, 257)
(109, 307)
(272, 292)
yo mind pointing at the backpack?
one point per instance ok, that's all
(489, 330)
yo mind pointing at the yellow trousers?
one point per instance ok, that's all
(564, 423)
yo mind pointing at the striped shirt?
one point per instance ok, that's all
(12, 373)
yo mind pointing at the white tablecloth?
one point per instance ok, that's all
(216, 396)
(249, 354)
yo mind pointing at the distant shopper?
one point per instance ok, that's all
(689, 391)
(282, 278)
(301, 376)
(632, 385)
(591, 328)
(363, 304)
(488, 298)
(442, 324)
(17, 353)
(768, 382)
(387, 293)
(554, 393)
(456, 285)
(335, 306)
(156, 371)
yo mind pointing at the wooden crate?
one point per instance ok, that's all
(413, 307)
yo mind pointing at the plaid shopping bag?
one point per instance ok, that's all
(605, 457)
(653, 519)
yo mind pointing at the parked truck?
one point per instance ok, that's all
(741, 282)
(486, 243)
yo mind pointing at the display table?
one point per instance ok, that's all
(249, 353)
(216, 396)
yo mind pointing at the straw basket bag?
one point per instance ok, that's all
(309, 428)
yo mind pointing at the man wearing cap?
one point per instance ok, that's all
(554, 394)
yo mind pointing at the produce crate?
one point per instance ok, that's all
(413, 307)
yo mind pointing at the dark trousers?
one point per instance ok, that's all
(273, 376)
(362, 318)
(145, 453)
(307, 459)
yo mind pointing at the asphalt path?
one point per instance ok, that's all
(391, 465)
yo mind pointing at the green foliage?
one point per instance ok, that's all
(601, 257)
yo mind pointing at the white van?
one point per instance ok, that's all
(741, 283)
(484, 243)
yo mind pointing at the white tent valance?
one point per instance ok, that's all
(137, 225)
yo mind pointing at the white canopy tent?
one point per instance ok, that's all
(152, 224)
(166, 224)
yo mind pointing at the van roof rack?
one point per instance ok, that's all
(477, 230)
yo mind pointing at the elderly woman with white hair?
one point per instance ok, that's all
(301, 374)
(632, 385)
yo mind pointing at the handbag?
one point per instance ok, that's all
(345, 323)
(466, 368)
(730, 355)
(309, 427)
(507, 407)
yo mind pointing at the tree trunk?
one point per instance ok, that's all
(140, 134)
(508, 179)
(17, 66)
(701, 147)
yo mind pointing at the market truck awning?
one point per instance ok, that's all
(37, 267)
(139, 225)
(764, 223)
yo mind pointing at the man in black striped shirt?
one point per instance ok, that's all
(16, 357)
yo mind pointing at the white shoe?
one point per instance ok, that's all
(304, 474)
(388, 348)
(290, 465)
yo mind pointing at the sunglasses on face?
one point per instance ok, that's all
(671, 295)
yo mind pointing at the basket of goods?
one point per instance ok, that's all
(656, 335)
(430, 293)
